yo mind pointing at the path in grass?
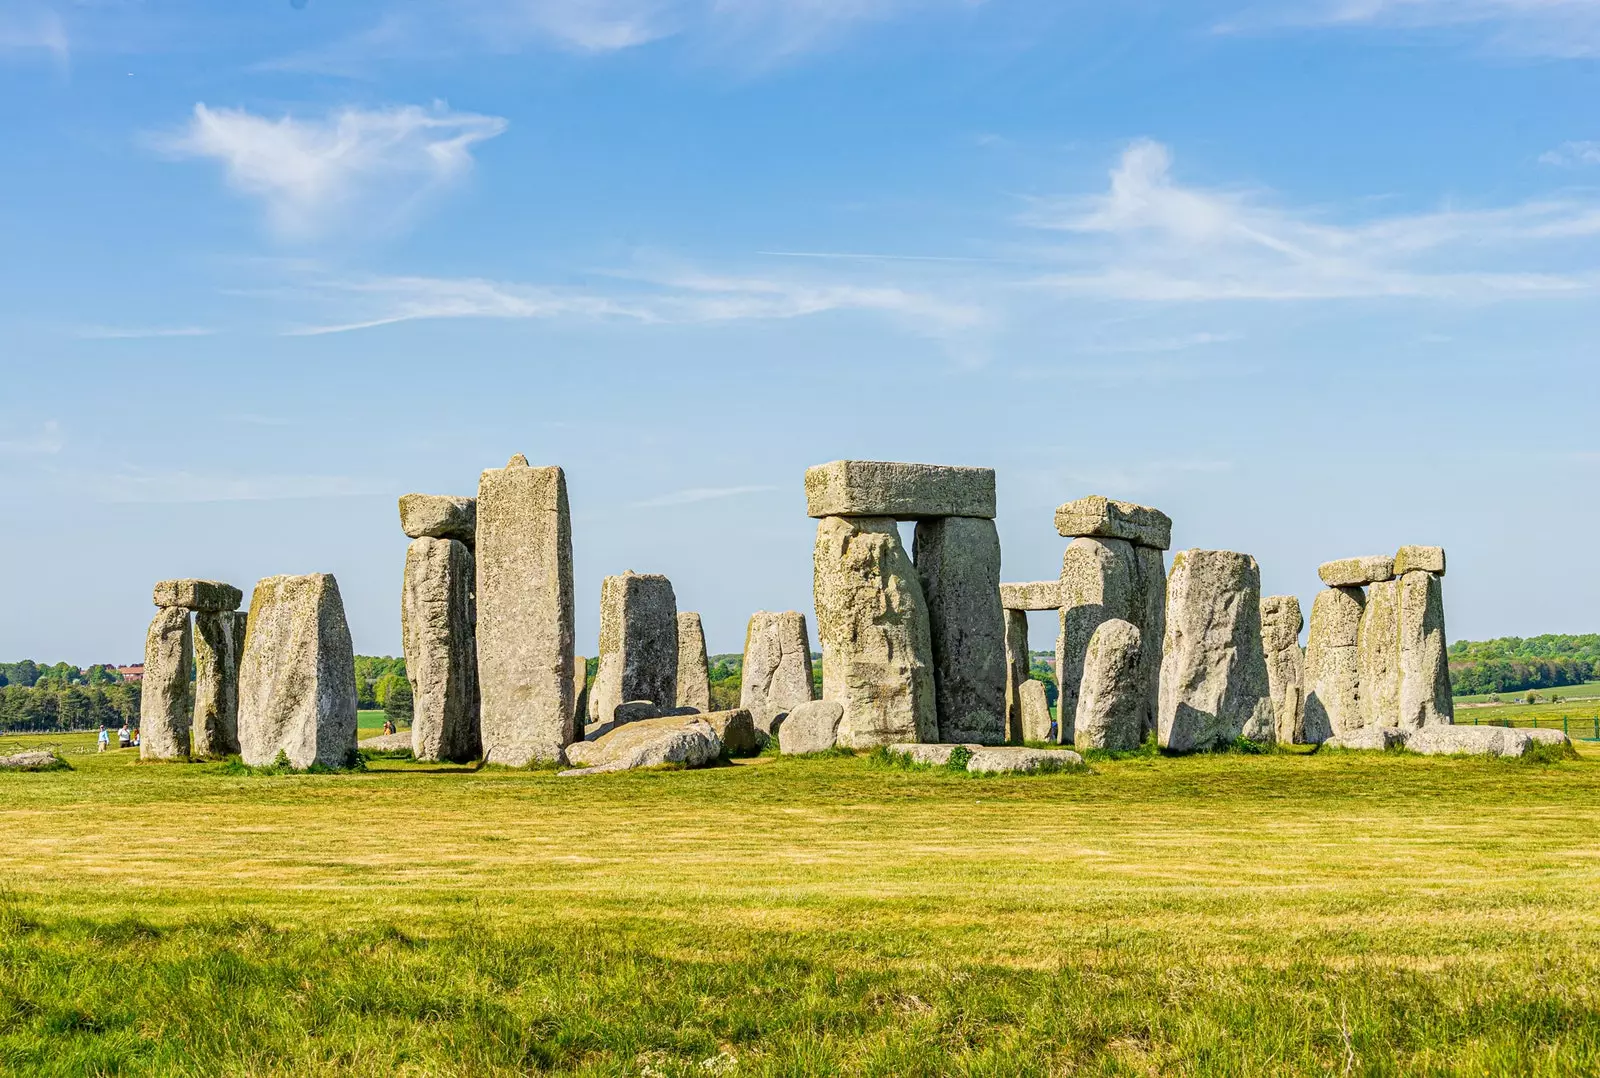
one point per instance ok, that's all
(1231, 914)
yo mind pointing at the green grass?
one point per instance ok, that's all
(1589, 690)
(1581, 715)
(1292, 913)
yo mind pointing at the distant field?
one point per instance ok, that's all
(1587, 689)
(1580, 715)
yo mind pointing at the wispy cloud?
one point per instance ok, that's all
(32, 28)
(1572, 153)
(699, 494)
(141, 486)
(1149, 237)
(47, 440)
(130, 333)
(366, 167)
(1560, 28)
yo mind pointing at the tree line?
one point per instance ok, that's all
(1514, 663)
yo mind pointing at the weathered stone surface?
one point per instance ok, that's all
(1281, 623)
(437, 632)
(34, 760)
(1014, 760)
(810, 727)
(689, 743)
(638, 643)
(218, 645)
(164, 701)
(297, 680)
(1213, 669)
(1033, 595)
(1443, 739)
(1419, 559)
(1356, 572)
(958, 564)
(387, 742)
(776, 675)
(1111, 696)
(209, 595)
(1378, 655)
(872, 621)
(1368, 737)
(937, 755)
(1424, 664)
(1333, 665)
(1101, 579)
(1151, 578)
(870, 488)
(525, 614)
(580, 692)
(735, 729)
(1035, 711)
(694, 673)
(1019, 664)
(1102, 518)
(439, 516)
(1548, 737)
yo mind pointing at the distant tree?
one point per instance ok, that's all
(397, 701)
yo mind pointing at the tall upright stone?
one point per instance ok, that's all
(638, 644)
(1099, 581)
(1425, 695)
(776, 673)
(1333, 664)
(525, 614)
(218, 645)
(872, 621)
(165, 710)
(297, 679)
(1151, 577)
(1111, 698)
(1213, 669)
(580, 692)
(1378, 652)
(958, 566)
(1281, 623)
(437, 621)
(694, 673)
(1019, 668)
(1035, 711)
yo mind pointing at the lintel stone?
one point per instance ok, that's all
(439, 516)
(1412, 559)
(1100, 517)
(1034, 595)
(1357, 572)
(210, 596)
(870, 488)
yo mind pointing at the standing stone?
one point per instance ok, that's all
(638, 644)
(297, 680)
(525, 614)
(871, 488)
(694, 673)
(1333, 665)
(580, 692)
(776, 674)
(1151, 577)
(1099, 581)
(1111, 697)
(1281, 623)
(1019, 668)
(436, 631)
(1213, 668)
(872, 621)
(1424, 662)
(164, 707)
(958, 565)
(218, 643)
(1378, 655)
(1035, 702)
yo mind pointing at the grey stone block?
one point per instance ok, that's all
(776, 675)
(1333, 665)
(1356, 572)
(638, 643)
(165, 704)
(810, 727)
(1032, 595)
(438, 634)
(1102, 518)
(1111, 696)
(218, 645)
(209, 595)
(958, 564)
(1423, 559)
(869, 488)
(439, 516)
(694, 673)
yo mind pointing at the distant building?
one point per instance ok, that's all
(132, 673)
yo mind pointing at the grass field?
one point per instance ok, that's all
(1335, 913)
(1588, 691)
(1581, 716)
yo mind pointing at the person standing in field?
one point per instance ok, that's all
(124, 737)
(105, 738)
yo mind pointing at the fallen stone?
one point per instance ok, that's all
(869, 488)
(872, 621)
(1447, 740)
(694, 673)
(1548, 737)
(1011, 760)
(218, 643)
(1368, 737)
(437, 632)
(811, 727)
(1357, 572)
(1033, 595)
(1213, 668)
(1281, 623)
(387, 742)
(1019, 667)
(1111, 696)
(525, 614)
(165, 708)
(776, 675)
(692, 743)
(930, 755)
(1102, 518)
(212, 596)
(439, 516)
(638, 643)
(297, 684)
(735, 729)
(1035, 711)
(1419, 559)
(1425, 698)
(958, 564)
(34, 760)
(1333, 664)
(1378, 655)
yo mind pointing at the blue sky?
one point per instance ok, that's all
(1317, 279)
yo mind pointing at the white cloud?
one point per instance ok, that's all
(34, 29)
(1572, 153)
(368, 166)
(46, 441)
(1149, 237)
(1561, 28)
(142, 486)
(130, 333)
(699, 494)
